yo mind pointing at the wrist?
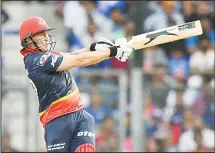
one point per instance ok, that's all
(92, 47)
(113, 51)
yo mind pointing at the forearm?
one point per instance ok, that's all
(86, 49)
(90, 58)
(83, 59)
(76, 52)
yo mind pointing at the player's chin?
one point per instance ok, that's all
(45, 49)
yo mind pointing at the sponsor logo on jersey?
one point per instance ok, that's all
(54, 59)
(86, 133)
(44, 58)
(56, 146)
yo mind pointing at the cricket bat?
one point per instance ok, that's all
(166, 35)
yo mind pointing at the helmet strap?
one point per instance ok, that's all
(35, 43)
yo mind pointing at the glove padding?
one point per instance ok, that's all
(123, 49)
(101, 44)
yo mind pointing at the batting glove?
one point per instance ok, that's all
(101, 44)
(123, 49)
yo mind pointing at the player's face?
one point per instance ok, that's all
(42, 40)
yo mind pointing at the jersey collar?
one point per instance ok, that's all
(26, 51)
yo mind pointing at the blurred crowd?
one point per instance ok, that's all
(178, 113)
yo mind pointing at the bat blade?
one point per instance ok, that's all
(166, 35)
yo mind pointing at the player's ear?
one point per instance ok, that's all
(26, 43)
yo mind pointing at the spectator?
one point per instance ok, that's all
(160, 19)
(178, 65)
(198, 138)
(74, 30)
(191, 43)
(70, 11)
(189, 11)
(154, 6)
(174, 119)
(92, 34)
(208, 29)
(193, 10)
(97, 109)
(58, 10)
(155, 130)
(157, 6)
(111, 145)
(73, 42)
(86, 10)
(154, 56)
(92, 13)
(148, 110)
(193, 90)
(156, 123)
(105, 129)
(118, 19)
(205, 55)
(129, 27)
(203, 8)
(209, 108)
(158, 88)
(188, 119)
(199, 103)
(161, 141)
(6, 144)
(105, 7)
(177, 119)
(186, 141)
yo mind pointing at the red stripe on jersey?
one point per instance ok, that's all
(64, 105)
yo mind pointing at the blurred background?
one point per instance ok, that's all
(161, 99)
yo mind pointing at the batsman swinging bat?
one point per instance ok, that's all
(166, 35)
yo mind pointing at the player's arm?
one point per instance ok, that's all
(100, 45)
(53, 61)
(121, 51)
(85, 58)
(76, 52)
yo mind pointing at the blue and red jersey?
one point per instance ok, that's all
(57, 92)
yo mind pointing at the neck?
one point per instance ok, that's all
(26, 51)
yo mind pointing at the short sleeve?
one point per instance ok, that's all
(49, 61)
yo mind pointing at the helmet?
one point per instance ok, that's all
(31, 27)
